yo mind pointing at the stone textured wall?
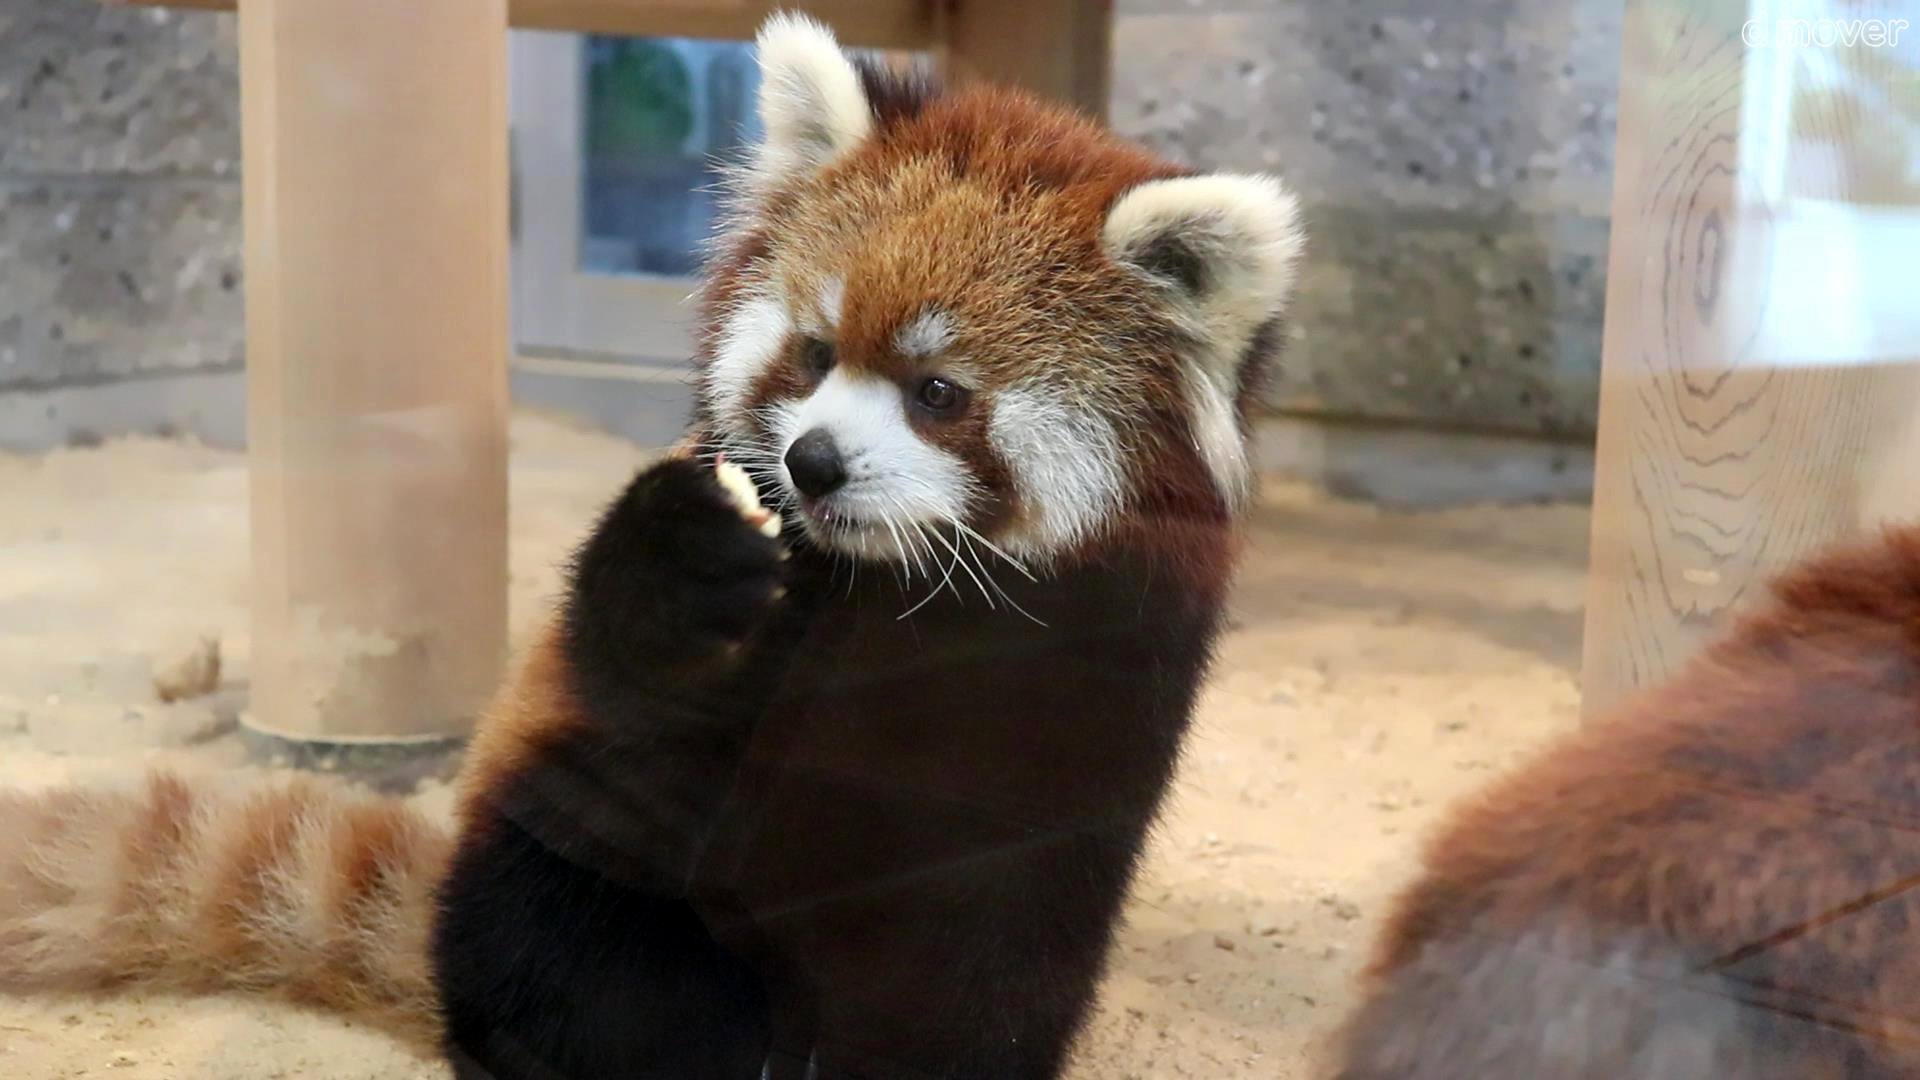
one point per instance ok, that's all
(1454, 158)
(119, 199)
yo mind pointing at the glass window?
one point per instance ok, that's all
(662, 119)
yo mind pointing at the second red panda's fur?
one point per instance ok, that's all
(1723, 879)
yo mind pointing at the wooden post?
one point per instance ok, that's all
(1758, 391)
(1062, 49)
(376, 258)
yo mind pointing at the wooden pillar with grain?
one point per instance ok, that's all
(1061, 49)
(375, 192)
(1758, 385)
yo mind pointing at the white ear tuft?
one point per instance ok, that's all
(1225, 243)
(811, 102)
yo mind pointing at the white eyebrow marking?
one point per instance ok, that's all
(833, 296)
(926, 335)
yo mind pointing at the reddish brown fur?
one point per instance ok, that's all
(249, 863)
(1747, 833)
(986, 202)
(152, 850)
(531, 711)
(301, 888)
(989, 205)
(305, 889)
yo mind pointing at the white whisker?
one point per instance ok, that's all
(995, 548)
(989, 576)
(964, 565)
(946, 581)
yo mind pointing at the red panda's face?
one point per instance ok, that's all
(978, 322)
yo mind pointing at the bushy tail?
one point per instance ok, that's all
(302, 889)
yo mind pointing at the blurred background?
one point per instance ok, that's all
(1455, 158)
(284, 484)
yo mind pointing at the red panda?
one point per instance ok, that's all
(858, 800)
(1718, 881)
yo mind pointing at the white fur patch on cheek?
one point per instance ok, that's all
(1066, 466)
(750, 341)
(1216, 437)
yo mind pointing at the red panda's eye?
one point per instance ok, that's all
(817, 355)
(939, 395)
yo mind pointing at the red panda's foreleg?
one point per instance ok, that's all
(568, 944)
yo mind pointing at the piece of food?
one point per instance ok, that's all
(739, 487)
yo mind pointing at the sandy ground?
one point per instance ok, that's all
(1380, 664)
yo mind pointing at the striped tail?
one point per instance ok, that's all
(303, 890)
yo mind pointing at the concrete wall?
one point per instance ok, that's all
(119, 221)
(1455, 169)
(1455, 159)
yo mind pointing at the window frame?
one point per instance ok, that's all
(559, 307)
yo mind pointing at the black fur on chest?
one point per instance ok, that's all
(895, 745)
(939, 814)
(871, 846)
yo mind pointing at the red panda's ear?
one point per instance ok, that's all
(1223, 245)
(1221, 249)
(812, 105)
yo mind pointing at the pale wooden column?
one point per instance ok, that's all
(376, 291)
(1062, 49)
(1758, 390)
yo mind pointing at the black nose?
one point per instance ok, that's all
(814, 462)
